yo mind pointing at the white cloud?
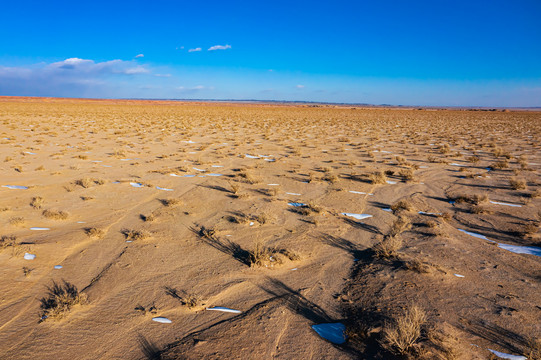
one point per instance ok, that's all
(300, 86)
(134, 70)
(69, 77)
(196, 49)
(140, 55)
(162, 75)
(193, 88)
(219, 47)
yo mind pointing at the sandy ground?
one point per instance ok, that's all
(137, 252)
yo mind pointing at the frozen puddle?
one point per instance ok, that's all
(359, 192)
(224, 309)
(530, 250)
(189, 176)
(517, 249)
(358, 216)
(14, 187)
(475, 234)
(251, 156)
(507, 356)
(296, 204)
(390, 182)
(199, 169)
(294, 194)
(164, 189)
(39, 229)
(334, 332)
(162, 320)
(28, 256)
(505, 204)
(137, 185)
(428, 213)
(214, 174)
(58, 267)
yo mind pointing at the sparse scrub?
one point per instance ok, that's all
(59, 300)
(94, 232)
(7, 241)
(517, 184)
(378, 178)
(402, 205)
(84, 182)
(36, 202)
(133, 235)
(55, 214)
(403, 331)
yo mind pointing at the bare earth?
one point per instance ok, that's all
(227, 235)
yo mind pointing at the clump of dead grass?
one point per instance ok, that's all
(55, 214)
(378, 177)
(59, 300)
(36, 202)
(133, 235)
(402, 332)
(94, 232)
(517, 184)
(405, 205)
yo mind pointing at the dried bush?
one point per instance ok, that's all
(402, 332)
(59, 300)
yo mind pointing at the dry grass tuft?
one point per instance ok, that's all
(17, 221)
(403, 331)
(517, 184)
(402, 205)
(55, 214)
(378, 177)
(388, 247)
(133, 235)
(84, 182)
(36, 202)
(170, 202)
(94, 232)
(59, 300)
(7, 241)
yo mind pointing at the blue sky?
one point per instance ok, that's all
(439, 52)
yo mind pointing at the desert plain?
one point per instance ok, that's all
(191, 230)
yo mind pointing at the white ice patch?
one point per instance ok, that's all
(251, 223)
(530, 250)
(214, 174)
(358, 216)
(162, 320)
(14, 187)
(188, 142)
(251, 156)
(387, 209)
(81, 222)
(125, 159)
(359, 192)
(189, 176)
(455, 164)
(164, 189)
(475, 234)
(270, 160)
(224, 309)
(296, 204)
(174, 175)
(390, 182)
(217, 166)
(28, 256)
(58, 267)
(294, 194)
(39, 228)
(428, 213)
(273, 184)
(199, 169)
(507, 356)
(334, 332)
(137, 185)
(29, 153)
(505, 204)
(458, 275)
(97, 161)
